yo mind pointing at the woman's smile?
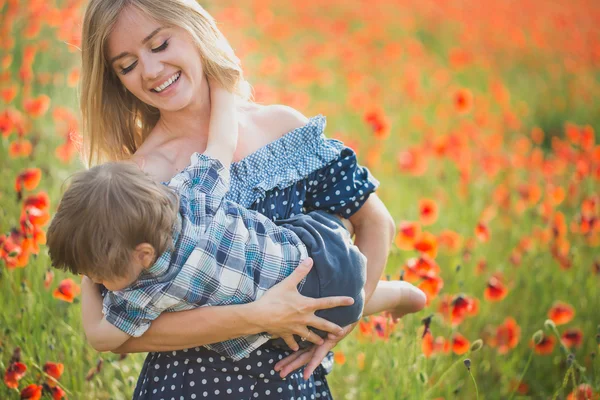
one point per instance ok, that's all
(168, 86)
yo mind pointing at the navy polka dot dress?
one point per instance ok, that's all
(299, 172)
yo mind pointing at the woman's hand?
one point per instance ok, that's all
(312, 356)
(285, 312)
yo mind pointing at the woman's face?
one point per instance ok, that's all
(159, 65)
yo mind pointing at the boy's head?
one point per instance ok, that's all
(112, 222)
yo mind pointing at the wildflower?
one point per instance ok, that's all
(572, 337)
(546, 346)
(463, 101)
(54, 370)
(32, 392)
(407, 233)
(495, 289)
(428, 211)
(561, 313)
(67, 290)
(15, 372)
(460, 344)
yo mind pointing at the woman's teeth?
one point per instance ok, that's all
(167, 83)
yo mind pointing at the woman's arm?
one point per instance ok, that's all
(374, 231)
(281, 311)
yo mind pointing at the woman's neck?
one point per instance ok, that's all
(192, 121)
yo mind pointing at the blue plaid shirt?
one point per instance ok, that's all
(223, 254)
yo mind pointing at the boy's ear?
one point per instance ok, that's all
(145, 254)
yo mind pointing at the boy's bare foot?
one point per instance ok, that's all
(410, 300)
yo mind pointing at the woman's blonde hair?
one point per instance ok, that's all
(115, 122)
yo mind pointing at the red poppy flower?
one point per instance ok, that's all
(378, 122)
(583, 392)
(460, 344)
(40, 200)
(428, 211)
(507, 336)
(427, 344)
(34, 216)
(495, 289)
(58, 393)
(412, 161)
(426, 242)
(67, 290)
(449, 239)
(482, 232)
(9, 93)
(14, 373)
(38, 106)
(458, 308)
(572, 337)
(463, 101)
(545, 347)
(431, 286)
(54, 370)
(339, 357)
(421, 267)
(561, 313)
(28, 179)
(407, 233)
(48, 278)
(65, 152)
(430, 347)
(32, 392)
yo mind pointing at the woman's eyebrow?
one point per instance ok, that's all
(146, 39)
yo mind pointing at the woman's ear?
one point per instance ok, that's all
(145, 254)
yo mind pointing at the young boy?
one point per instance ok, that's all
(156, 251)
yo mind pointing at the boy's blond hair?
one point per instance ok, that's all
(104, 214)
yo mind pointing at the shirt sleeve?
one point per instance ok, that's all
(341, 187)
(201, 186)
(129, 311)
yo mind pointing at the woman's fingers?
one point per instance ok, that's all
(325, 303)
(291, 342)
(281, 364)
(299, 273)
(312, 337)
(324, 325)
(302, 358)
(315, 359)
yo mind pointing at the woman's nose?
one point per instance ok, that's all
(151, 68)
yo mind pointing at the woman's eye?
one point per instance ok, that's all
(161, 47)
(127, 69)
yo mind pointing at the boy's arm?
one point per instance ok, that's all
(101, 334)
(223, 129)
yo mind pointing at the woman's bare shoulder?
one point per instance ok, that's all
(274, 121)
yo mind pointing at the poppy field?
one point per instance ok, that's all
(478, 117)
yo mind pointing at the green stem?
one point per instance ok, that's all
(474, 383)
(522, 376)
(442, 376)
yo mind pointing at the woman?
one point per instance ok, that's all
(145, 96)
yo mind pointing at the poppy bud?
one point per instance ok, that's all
(476, 346)
(467, 363)
(538, 337)
(423, 377)
(549, 324)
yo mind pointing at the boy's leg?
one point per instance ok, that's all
(398, 297)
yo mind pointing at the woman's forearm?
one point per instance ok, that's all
(197, 327)
(374, 232)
